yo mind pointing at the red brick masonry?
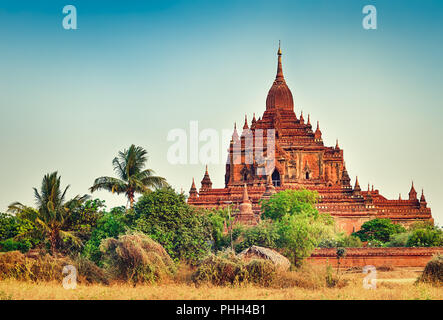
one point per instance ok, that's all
(360, 257)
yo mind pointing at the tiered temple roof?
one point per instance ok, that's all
(298, 159)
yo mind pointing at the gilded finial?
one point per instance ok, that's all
(279, 49)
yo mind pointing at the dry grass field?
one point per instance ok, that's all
(391, 285)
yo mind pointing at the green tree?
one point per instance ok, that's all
(8, 226)
(290, 202)
(132, 177)
(379, 230)
(165, 216)
(426, 237)
(51, 213)
(299, 225)
(110, 225)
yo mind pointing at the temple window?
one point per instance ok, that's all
(307, 175)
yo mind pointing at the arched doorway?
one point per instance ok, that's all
(276, 178)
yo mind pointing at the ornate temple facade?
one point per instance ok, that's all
(296, 159)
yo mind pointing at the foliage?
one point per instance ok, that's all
(378, 229)
(132, 177)
(110, 225)
(12, 245)
(289, 203)
(218, 219)
(52, 212)
(8, 226)
(341, 240)
(300, 234)
(427, 237)
(264, 234)
(399, 239)
(136, 258)
(165, 216)
(296, 221)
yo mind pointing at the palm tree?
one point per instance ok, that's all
(128, 166)
(52, 210)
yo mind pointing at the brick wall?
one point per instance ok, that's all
(360, 257)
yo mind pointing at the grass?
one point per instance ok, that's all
(393, 285)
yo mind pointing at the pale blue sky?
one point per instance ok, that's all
(132, 71)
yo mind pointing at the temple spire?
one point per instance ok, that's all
(245, 126)
(412, 193)
(279, 65)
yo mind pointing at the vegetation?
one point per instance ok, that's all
(433, 272)
(378, 230)
(160, 232)
(136, 258)
(165, 216)
(52, 212)
(132, 177)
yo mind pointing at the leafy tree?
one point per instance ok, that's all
(299, 225)
(51, 213)
(8, 226)
(426, 237)
(378, 229)
(132, 177)
(165, 216)
(110, 225)
(290, 202)
(300, 234)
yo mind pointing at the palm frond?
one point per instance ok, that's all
(110, 184)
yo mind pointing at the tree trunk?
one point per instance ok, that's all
(53, 240)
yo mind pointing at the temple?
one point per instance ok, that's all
(296, 159)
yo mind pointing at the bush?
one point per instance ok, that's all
(12, 245)
(261, 271)
(136, 258)
(222, 269)
(425, 238)
(433, 272)
(110, 225)
(263, 234)
(399, 240)
(37, 267)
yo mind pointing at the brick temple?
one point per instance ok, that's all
(299, 160)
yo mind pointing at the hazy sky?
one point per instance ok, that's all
(134, 70)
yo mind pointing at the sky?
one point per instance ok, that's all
(133, 71)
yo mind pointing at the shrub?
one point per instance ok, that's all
(222, 269)
(399, 240)
(425, 238)
(261, 271)
(12, 245)
(110, 225)
(433, 272)
(38, 267)
(136, 258)
(263, 234)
